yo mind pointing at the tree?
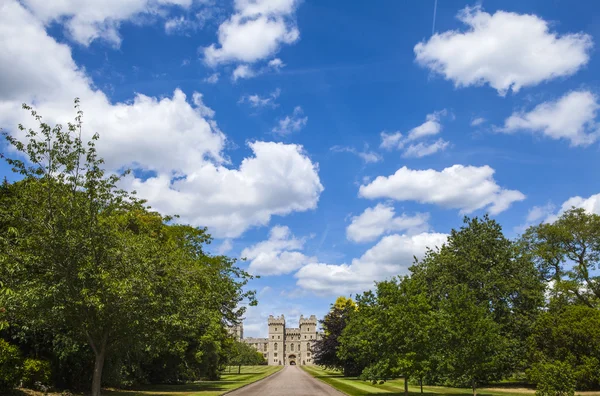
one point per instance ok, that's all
(87, 260)
(570, 335)
(486, 294)
(326, 348)
(391, 332)
(242, 354)
(568, 253)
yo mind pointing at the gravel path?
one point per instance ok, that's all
(291, 381)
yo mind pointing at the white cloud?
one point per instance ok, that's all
(276, 64)
(256, 31)
(572, 117)
(278, 255)
(505, 50)
(212, 79)
(538, 213)
(259, 101)
(366, 155)
(381, 219)
(467, 188)
(292, 123)
(88, 20)
(177, 141)
(430, 127)
(242, 71)
(392, 256)
(421, 149)
(478, 121)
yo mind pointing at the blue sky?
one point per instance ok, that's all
(327, 142)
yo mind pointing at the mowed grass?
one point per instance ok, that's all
(355, 387)
(228, 382)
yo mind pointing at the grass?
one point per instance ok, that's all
(354, 387)
(228, 382)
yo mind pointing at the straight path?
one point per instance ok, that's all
(291, 381)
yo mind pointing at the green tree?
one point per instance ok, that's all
(86, 259)
(242, 354)
(483, 288)
(391, 333)
(568, 253)
(326, 348)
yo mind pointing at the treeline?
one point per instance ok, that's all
(480, 309)
(95, 287)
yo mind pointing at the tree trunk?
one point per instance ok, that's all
(100, 353)
(474, 388)
(406, 385)
(421, 383)
(239, 369)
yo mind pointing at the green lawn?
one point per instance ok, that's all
(228, 382)
(355, 387)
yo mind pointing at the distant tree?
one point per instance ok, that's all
(391, 333)
(326, 348)
(242, 354)
(567, 252)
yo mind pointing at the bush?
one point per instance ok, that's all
(553, 379)
(36, 371)
(10, 362)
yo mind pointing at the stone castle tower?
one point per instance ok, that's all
(287, 345)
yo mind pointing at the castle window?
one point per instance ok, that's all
(275, 354)
(273, 337)
(292, 347)
(275, 346)
(278, 337)
(305, 337)
(311, 337)
(265, 346)
(275, 328)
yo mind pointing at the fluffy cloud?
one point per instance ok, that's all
(242, 71)
(478, 121)
(87, 20)
(572, 117)
(505, 50)
(366, 155)
(292, 123)
(431, 127)
(381, 219)
(391, 256)
(256, 31)
(467, 188)
(178, 143)
(278, 255)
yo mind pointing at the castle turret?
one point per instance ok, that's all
(276, 340)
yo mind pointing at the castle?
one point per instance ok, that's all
(286, 345)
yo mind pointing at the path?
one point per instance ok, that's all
(290, 381)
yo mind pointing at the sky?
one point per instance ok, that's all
(327, 142)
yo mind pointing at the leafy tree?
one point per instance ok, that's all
(89, 261)
(486, 293)
(570, 335)
(326, 348)
(242, 354)
(553, 379)
(568, 253)
(391, 333)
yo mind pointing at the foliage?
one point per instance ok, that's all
(553, 379)
(88, 263)
(571, 335)
(35, 370)
(326, 349)
(10, 365)
(242, 354)
(568, 253)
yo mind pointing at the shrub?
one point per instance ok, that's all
(10, 361)
(553, 379)
(36, 371)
